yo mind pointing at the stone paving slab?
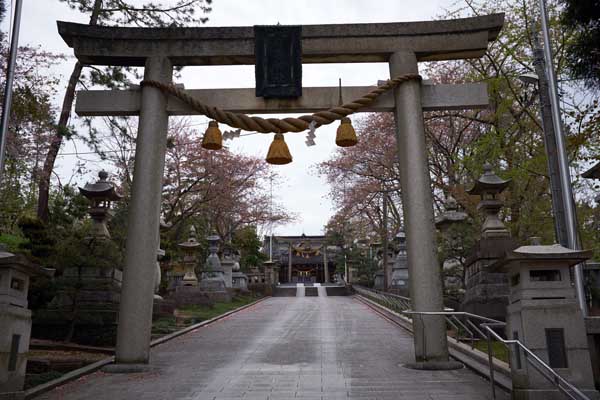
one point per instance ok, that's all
(323, 348)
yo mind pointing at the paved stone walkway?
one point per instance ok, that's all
(283, 348)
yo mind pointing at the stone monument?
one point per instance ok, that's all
(15, 321)
(486, 292)
(544, 315)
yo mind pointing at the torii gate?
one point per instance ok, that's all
(402, 45)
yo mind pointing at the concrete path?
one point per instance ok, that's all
(284, 348)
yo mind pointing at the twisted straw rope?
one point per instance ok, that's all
(276, 125)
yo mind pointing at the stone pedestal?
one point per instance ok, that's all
(544, 315)
(190, 295)
(15, 321)
(87, 305)
(486, 290)
(227, 265)
(239, 281)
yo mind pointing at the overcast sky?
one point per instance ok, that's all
(301, 191)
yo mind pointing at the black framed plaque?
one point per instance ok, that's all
(278, 65)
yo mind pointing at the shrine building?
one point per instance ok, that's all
(302, 259)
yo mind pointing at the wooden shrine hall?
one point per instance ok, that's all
(302, 259)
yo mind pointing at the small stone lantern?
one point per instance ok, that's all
(190, 250)
(544, 315)
(489, 186)
(400, 267)
(15, 318)
(100, 194)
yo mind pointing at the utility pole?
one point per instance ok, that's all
(563, 162)
(10, 75)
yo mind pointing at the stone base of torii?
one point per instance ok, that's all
(402, 45)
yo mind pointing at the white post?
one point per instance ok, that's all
(290, 262)
(425, 280)
(325, 264)
(135, 312)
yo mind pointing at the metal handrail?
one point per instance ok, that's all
(488, 325)
(402, 304)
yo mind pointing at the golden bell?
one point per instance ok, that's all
(345, 136)
(213, 139)
(279, 154)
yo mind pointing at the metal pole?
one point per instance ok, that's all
(558, 208)
(10, 75)
(563, 162)
(491, 363)
(271, 220)
(385, 243)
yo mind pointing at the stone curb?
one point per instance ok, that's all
(88, 369)
(474, 359)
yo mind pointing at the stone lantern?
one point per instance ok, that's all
(15, 319)
(452, 266)
(89, 294)
(190, 249)
(489, 186)
(100, 194)
(399, 281)
(544, 315)
(213, 276)
(486, 291)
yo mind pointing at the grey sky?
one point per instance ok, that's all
(301, 190)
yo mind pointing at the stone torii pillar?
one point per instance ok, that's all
(135, 311)
(403, 45)
(425, 280)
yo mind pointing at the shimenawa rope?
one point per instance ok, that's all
(276, 125)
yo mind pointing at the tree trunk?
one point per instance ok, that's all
(65, 114)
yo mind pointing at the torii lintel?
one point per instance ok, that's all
(335, 43)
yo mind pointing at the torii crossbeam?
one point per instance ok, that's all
(402, 45)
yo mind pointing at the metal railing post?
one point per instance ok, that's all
(491, 364)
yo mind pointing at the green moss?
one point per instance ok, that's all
(197, 313)
(499, 349)
(13, 243)
(164, 326)
(201, 313)
(32, 380)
